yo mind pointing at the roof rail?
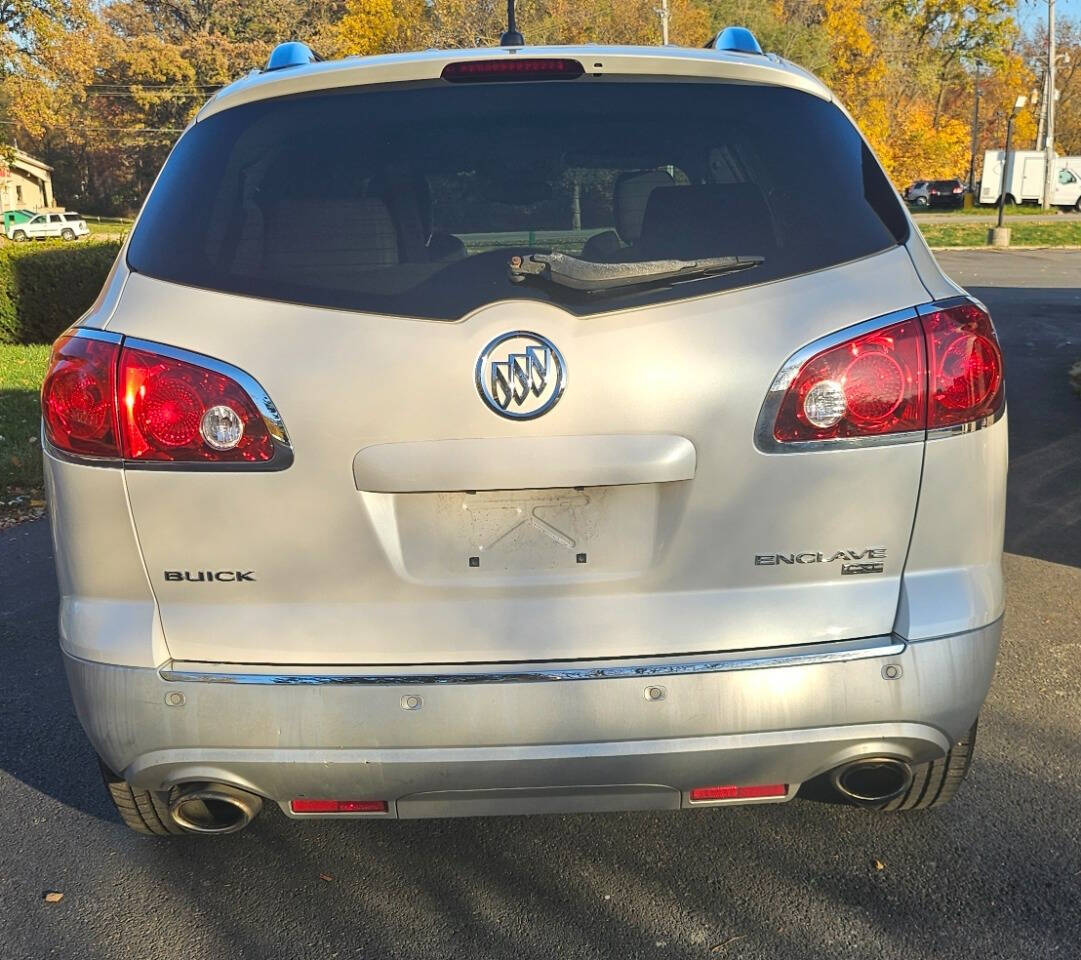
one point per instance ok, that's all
(291, 54)
(735, 40)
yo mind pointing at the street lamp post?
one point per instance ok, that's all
(999, 235)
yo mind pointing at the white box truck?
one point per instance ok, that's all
(1025, 178)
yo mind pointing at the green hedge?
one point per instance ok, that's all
(44, 286)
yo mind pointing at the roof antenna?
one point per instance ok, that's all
(512, 38)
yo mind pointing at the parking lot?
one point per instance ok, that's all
(996, 874)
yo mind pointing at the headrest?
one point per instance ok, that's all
(336, 233)
(630, 196)
(707, 220)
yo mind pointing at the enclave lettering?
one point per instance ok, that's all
(774, 559)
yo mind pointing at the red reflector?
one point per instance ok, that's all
(304, 805)
(78, 397)
(512, 68)
(163, 402)
(756, 792)
(965, 365)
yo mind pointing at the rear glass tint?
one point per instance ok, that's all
(411, 200)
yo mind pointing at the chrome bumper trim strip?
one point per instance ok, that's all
(807, 655)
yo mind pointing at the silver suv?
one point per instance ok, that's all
(510, 431)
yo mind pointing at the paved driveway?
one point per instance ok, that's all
(995, 875)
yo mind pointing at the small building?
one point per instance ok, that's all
(25, 183)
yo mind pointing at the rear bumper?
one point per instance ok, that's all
(537, 738)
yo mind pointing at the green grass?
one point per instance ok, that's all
(21, 371)
(1012, 210)
(107, 225)
(1021, 235)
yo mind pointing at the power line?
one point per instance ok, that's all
(165, 87)
(103, 129)
(143, 93)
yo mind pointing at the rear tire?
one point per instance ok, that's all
(938, 781)
(144, 811)
(19, 236)
(921, 201)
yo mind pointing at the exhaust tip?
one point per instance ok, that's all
(872, 779)
(213, 808)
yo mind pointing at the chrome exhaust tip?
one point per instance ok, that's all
(872, 780)
(213, 808)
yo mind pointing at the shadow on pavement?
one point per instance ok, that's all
(1040, 332)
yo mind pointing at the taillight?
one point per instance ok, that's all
(512, 68)
(940, 367)
(965, 365)
(870, 385)
(78, 397)
(141, 403)
(175, 410)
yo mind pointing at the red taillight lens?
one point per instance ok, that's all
(760, 791)
(304, 805)
(173, 410)
(965, 365)
(512, 68)
(941, 369)
(78, 397)
(108, 401)
(870, 385)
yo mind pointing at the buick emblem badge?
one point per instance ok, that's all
(521, 375)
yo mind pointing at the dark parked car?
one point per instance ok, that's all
(946, 193)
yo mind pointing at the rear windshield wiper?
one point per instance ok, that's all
(587, 275)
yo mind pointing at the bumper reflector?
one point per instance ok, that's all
(304, 805)
(756, 792)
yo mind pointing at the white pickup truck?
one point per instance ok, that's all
(66, 226)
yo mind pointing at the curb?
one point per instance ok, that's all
(1018, 246)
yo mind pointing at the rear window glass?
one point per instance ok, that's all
(411, 200)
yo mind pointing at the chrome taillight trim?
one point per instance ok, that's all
(92, 333)
(766, 442)
(283, 449)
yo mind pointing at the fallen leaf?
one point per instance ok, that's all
(879, 865)
(325, 876)
(720, 946)
(53, 896)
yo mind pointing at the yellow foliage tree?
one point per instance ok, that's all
(382, 26)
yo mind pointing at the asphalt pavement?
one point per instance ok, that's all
(996, 874)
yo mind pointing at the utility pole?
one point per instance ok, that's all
(1049, 144)
(663, 11)
(975, 132)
